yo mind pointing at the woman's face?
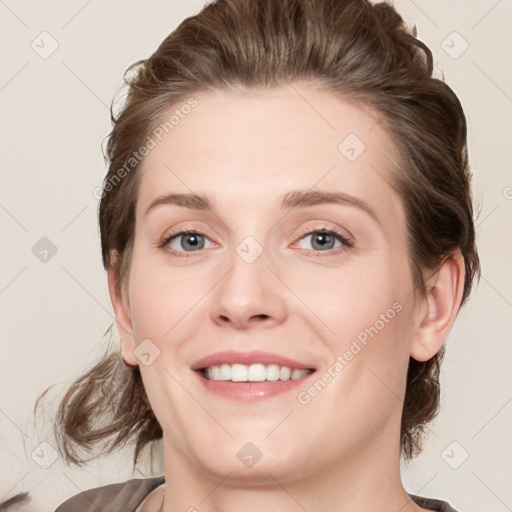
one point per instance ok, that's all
(274, 267)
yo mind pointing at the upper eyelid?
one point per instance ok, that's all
(307, 231)
(337, 231)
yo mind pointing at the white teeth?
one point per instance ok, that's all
(273, 372)
(285, 373)
(254, 373)
(225, 372)
(239, 373)
(257, 373)
(297, 374)
(216, 372)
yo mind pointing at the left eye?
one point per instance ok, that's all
(325, 240)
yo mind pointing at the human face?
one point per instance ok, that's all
(258, 277)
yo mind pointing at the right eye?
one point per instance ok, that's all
(178, 244)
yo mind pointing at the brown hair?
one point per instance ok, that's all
(356, 50)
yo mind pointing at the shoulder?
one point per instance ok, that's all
(123, 496)
(432, 503)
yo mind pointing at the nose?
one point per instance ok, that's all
(249, 295)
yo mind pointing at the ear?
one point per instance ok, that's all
(437, 311)
(122, 314)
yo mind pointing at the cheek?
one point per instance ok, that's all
(162, 310)
(365, 374)
(367, 311)
(161, 298)
(355, 298)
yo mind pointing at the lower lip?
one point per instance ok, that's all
(251, 391)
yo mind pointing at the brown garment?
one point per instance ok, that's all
(121, 497)
(127, 496)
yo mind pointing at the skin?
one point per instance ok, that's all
(245, 150)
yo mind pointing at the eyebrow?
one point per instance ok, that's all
(293, 199)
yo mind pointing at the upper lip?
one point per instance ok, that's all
(248, 358)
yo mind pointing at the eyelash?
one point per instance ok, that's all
(347, 244)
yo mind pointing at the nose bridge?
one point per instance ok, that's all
(249, 291)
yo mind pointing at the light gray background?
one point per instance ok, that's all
(54, 117)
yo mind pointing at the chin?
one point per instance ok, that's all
(249, 457)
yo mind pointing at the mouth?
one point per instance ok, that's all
(253, 373)
(251, 376)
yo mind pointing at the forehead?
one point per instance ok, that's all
(260, 144)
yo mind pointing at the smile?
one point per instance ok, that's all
(253, 373)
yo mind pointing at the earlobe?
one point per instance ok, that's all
(437, 312)
(122, 315)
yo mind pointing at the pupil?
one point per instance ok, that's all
(192, 240)
(322, 239)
